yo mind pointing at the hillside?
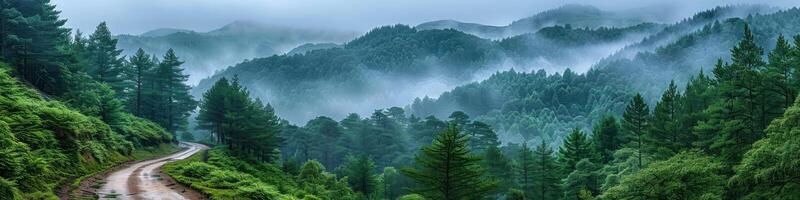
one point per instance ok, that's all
(207, 52)
(385, 67)
(44, 143)
(580, 16)
(529, 105)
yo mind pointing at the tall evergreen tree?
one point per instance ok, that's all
(525, 167)
(575, 148)
(481, 136)
(105, 62)
(780, 75)
(738, 117)
(140, 71)
(31, 34)
(546, 176)
(447, 170)
(634, 121)
(360, 174)
(499, 167)
(172, 93)
(607, 137)
(664, 136)
(329, 133)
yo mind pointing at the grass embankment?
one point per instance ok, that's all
(44, 142)
(223, 176)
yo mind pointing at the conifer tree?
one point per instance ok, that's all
(664, 135)
(105, 62)
(172, 94)
(447, 170)
(140, 70)
(607, 137)
(31, 34)
(575, 148)
(360, 175)
(546, 176)
(525, 168)
(481, 136)
(584, 180)
(780, 75)
(499, 167)
(634, 121)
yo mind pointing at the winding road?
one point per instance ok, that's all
(143, 181)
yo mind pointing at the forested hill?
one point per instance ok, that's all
(386, 66)
(572, 14)
(207, 52)
(546, 105)
(71, 105)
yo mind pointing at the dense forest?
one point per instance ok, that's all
(711, 139)
(71, 105)
(711, 115)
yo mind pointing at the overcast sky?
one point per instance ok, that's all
(138, 16)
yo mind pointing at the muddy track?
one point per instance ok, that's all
(144, 180)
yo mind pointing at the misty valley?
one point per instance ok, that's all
(566, 102)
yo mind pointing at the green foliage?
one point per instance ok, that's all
(447, 170)
(45, 142)
(582, 181)
(575, 148)
(546, 175)
(30, 40)
(770, 168)
(360, 174)
(224, 176)
(249, 128)
(635, 122)
(104, 61)
(8, 191)
(498, 167)
(607, 137)
(688, 175)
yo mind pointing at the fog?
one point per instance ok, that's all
(138, 16)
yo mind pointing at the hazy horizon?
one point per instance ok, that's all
(136, 17)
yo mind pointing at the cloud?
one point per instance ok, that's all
(137, 16)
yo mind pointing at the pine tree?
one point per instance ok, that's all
(31, 35)
(524, 168)
(575, 148)
(105, 63)
(738, 117)
(664, 136)
(481, 136)
(460, 119)
(780, 75)
(584, 180)
(634, 121)
(360, 175)
(607, 137)
(499, 168)
(446, 170)
(389, 143)
(329, 133)
(172, 94)
(546, 176)
(212, 109)
(141, 66)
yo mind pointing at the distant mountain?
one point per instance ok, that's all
(528, 105)
(388, 65)
(575, 15)
(302, 49)
(207, 52)
(163, 32)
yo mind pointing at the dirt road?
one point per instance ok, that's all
(144, 181)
